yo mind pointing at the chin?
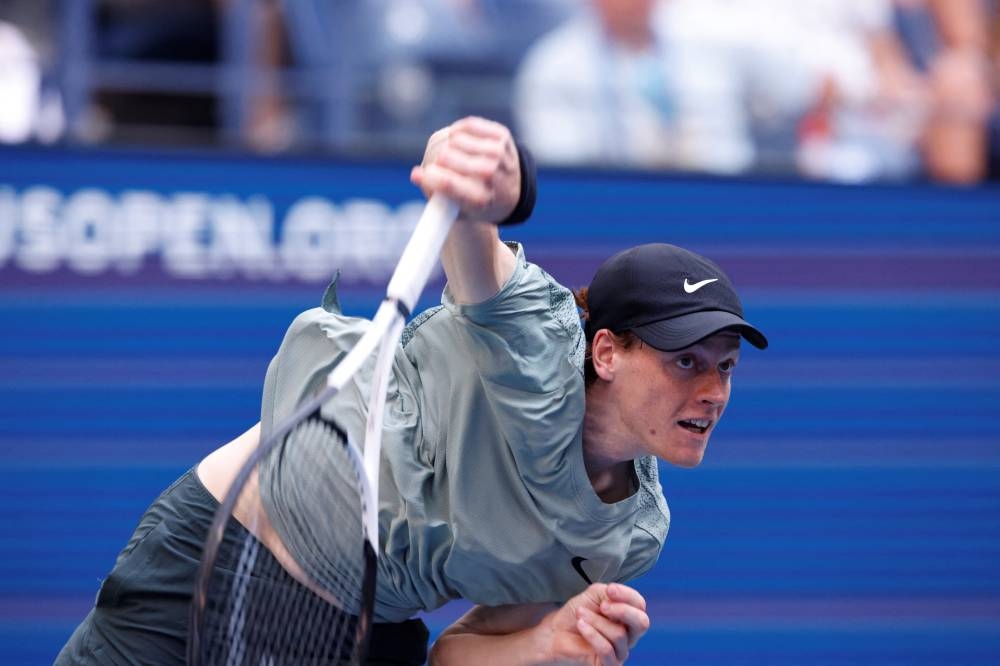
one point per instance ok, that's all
(688, 456)
(694, 452)
(691, 461)
(682, 449)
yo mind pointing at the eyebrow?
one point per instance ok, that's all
(735, 343)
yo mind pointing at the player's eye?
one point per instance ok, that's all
(727, 366)
(685, 362)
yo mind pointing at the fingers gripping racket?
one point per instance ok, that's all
(263, 595)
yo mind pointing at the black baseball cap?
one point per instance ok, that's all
(668, 296)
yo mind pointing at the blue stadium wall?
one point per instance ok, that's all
(848, 511)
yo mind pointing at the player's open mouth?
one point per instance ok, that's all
(695, 425)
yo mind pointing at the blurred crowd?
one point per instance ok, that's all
(840, 90)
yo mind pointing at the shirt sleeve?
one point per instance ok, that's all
(527, 346)
(526, 337)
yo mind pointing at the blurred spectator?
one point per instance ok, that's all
(878, 98)
(949, 41)
(394, 69)
(847, 90)
(269, 125)
(865, 104)
(20, 82)
(723, 85)
(31, 109)
(621, 83)
(993, 140)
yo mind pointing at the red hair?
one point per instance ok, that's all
(624, 339)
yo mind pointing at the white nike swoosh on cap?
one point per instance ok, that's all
(691, 288)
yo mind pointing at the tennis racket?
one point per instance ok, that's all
(256, 601)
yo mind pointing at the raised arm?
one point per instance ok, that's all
(599, 626)
(474, 162)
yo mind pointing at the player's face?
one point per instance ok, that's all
(675, 399)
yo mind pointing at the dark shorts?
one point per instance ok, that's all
(142, 608)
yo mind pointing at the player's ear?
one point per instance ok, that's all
(603, 354)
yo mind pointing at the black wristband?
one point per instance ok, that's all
(529, 188)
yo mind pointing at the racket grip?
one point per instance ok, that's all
(422, 251)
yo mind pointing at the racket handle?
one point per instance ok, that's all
(422, 251)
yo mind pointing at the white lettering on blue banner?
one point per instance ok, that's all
(199, 235)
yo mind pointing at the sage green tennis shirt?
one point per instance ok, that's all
(483, 495)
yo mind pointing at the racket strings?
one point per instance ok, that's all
(315, 503)
(280, 622)
(315, 500)
(257, 612)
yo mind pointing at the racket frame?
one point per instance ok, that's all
(408, 280)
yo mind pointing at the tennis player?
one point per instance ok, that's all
(519, 447)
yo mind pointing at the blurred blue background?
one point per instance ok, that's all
(848, 511)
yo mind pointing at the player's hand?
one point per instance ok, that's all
(598, 627)
(474, 162)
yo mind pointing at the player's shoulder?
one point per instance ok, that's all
(411, 329)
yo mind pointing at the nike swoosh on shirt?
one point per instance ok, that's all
(577, 563)
(691, 288)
